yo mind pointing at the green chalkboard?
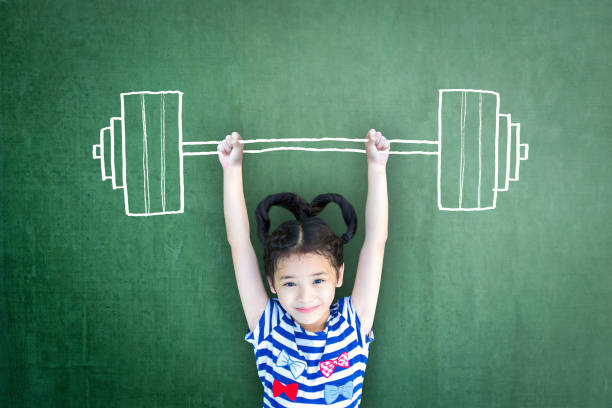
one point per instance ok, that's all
(509, 306)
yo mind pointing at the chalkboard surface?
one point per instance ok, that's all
(505, 307)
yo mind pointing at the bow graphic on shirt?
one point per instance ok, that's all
(327, 367)
(332, 392)
(296, 367)
(290, 390)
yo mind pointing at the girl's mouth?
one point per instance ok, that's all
(308, 310)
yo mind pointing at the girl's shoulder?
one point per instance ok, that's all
(347, 310)
(273, 316)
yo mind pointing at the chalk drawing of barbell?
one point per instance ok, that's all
(479, 150)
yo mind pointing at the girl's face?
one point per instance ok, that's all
(306, 285)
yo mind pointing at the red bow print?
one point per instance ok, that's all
(327, 367)
(290, 390)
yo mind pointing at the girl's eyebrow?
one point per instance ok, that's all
(285, 277)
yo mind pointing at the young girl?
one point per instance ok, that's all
(308, 351)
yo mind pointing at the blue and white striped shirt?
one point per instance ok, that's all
(299, 368)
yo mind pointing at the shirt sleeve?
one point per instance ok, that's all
(350, 314)
(268, 320)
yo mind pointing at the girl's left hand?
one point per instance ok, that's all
(377, 148)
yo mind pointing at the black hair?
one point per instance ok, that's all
(307, 233)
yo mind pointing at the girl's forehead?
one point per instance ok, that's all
(304, 263)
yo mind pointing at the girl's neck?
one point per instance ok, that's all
(316, 327)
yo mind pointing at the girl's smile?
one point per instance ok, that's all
(311, 309)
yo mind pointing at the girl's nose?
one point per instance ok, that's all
(304, 293)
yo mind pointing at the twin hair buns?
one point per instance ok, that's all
(301, 209)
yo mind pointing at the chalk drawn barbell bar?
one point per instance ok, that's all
(477, 155)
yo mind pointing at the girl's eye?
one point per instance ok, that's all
(289, 284)
(317, 281)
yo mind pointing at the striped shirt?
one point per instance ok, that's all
(299, 368)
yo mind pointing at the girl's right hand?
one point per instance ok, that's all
(230, 151)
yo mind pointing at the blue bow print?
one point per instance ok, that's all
(296, 367)
(332, 392)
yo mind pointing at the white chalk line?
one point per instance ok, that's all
(130, 214)
(517, 148)
(124, 154)
(126, 202)
(111, 129)
(440, 135)
(145, 156)
(508, 151)
(479, 145)
(304, 139)
(309, 149)
(497, 102)
(439, 174)
(492, 207)
(116, 184)
(481, 91)
(508, 139)
(163, 152)
(524, 152)
(312, 149)
(100, 154)
(151, 93)
(180, 146)
(462, 157)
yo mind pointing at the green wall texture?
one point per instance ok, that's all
(504, 308)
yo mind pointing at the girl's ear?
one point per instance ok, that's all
(271, 283)
(340, 276)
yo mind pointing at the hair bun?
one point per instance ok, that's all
(302, 209)
(289, 201)
(348, 212)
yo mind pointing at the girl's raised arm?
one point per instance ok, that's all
(248, 277)
(369, 269)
